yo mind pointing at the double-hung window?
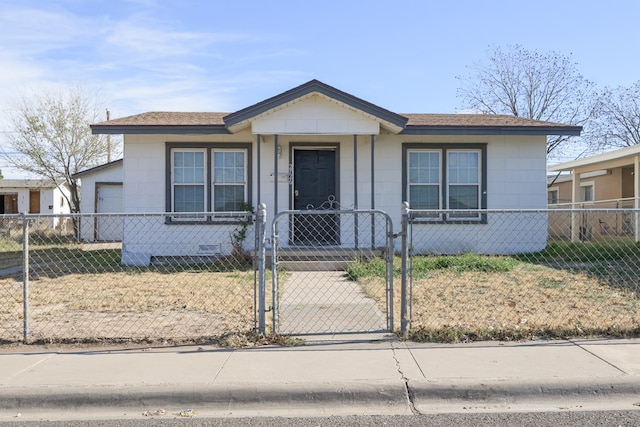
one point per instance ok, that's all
(189, 189)
(448, 177)
(229, 180)
(207, 178)
(425, 179)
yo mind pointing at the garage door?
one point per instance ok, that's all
(109, 201)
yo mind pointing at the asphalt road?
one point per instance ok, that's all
(569, 418)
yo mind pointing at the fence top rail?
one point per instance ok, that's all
(332, 211)
(238, 214)
(594, 202)
(494, 211)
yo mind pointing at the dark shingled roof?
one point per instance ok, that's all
(166, 120)
(158, 122)
(463, 120)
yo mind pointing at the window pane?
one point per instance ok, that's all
(188, 167)
(188, 198)
(463, 197)
(463, 167)
(228, 198)
(239, 160)
(424, 197)
(424, 168)
(229, 167)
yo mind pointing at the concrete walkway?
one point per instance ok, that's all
(316, 302)
(387, 377)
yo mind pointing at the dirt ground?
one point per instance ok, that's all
(129, 306)
(196, 306)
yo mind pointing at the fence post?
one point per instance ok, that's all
(25, 276)
(404, 306)
(274, 275)
(260, 224)
(390, 255)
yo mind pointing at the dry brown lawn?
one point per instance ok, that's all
(528, 301)
(524, 303)
(129, 306)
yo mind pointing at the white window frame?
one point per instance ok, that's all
(478, 184)
(244, 183)
(551, 190)
(174, 184)
(440, 173)
(585, 184)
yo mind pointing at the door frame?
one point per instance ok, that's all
(96, 205)
(335, 146)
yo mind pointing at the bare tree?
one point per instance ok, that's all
(51, 137)
(540, 86)
(618, 118)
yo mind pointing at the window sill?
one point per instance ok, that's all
(218, 219)
(442, 220)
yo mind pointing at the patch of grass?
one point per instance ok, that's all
(255, 339)
(462, 263)
(609, 250)
(452, 334)
(551, 283)
(422, 266)
(377, 267)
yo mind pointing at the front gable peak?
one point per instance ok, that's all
(333, 111)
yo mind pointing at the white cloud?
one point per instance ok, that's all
(30, 31)
(139, 61)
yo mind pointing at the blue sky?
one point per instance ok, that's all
(145, 55)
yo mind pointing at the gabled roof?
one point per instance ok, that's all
(97, 168)
(204, 123)
(392, 120)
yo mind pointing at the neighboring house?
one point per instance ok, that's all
(34, 196)
(315, 143)
(101, 193)
(606, 181)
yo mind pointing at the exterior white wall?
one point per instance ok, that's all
(315, 115)
(145, 192)
(516, 179)
(111, 174)
(52, 200)
(55, 197)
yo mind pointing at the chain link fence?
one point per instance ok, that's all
(200, 277)
(523, 274)
(180, 278)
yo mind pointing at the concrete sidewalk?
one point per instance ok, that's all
(321, 378)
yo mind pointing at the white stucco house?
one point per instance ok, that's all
(313, 143)
(101, 193)
(34, 196)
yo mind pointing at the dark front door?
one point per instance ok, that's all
(314, 188)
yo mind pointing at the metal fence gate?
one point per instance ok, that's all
(332, 272)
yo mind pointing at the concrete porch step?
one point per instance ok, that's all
(306, 265)
(322, 259)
